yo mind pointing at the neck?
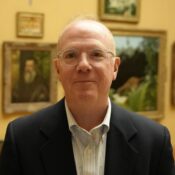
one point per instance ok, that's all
(88, 115)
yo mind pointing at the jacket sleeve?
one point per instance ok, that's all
(9, 160)
(166, 164)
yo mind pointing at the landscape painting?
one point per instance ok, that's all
(139, 83)
(119, 10)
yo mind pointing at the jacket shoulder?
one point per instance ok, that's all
(144, 126)
(33, 122)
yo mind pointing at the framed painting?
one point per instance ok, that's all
(119, 10)
(29, 24)
(139, 86)
(173, 75)
(29, 80)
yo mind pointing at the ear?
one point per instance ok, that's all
(57, 66)
(116, 66)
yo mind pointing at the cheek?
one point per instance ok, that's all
(65, 78)
(106, 75)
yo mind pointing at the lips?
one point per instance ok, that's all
(84, 81)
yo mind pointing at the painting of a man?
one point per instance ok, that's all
(31, 86)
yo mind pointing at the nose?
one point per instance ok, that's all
(83, 64)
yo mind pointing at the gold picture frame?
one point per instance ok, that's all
(139, 86)
(173, 76)
(119, 10)
(29, 81)
(29, 24)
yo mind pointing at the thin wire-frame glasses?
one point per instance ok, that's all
(71, 57)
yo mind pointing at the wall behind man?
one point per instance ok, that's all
(155, 15)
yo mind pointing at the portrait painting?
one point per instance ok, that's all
(119, 10)
(139, 86)
(173, 76)
(29, 76)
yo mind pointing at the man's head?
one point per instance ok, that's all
(29, 70)
(86, 63)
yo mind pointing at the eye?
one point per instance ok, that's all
(70, 54)
(97, 54)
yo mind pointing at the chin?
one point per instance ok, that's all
(87, 96)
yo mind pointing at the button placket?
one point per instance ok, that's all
(89, 159)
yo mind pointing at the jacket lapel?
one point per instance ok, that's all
(56, 152)
(121, 154)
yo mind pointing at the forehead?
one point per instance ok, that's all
(29, 62)
(86, 33)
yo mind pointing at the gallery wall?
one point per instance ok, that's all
(154, 15)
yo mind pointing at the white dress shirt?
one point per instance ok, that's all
(89, 147)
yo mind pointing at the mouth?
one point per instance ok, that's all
(84, 81)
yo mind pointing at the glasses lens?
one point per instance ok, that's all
(97, 55)
(69, 57)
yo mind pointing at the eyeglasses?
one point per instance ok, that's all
(71, 57)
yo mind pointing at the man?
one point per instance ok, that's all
(31, 86)
(84, 133)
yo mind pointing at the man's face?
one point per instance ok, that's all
(29, 66)
(86, 81)
(29, 71)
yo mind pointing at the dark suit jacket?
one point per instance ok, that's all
(40, 144)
